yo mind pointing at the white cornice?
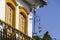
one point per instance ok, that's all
(29, 4)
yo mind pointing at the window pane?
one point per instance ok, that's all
(21, 22)
(9, 12)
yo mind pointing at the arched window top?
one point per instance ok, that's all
(23, 14)
(11, 5)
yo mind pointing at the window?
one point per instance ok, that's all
(21, 22)
(9, 14)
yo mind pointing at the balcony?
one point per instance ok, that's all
(7, 32)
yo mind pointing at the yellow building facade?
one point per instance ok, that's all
(14, 23)
(10, 16)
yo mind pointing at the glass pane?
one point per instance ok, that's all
(21, 22)
(9, 14)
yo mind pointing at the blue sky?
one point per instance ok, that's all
(50, 18)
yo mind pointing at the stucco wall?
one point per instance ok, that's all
(30, 25)
(2, 9)
(17, 16)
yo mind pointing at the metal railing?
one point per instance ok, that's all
(9, 33)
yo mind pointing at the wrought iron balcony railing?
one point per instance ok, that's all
(9, 33)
